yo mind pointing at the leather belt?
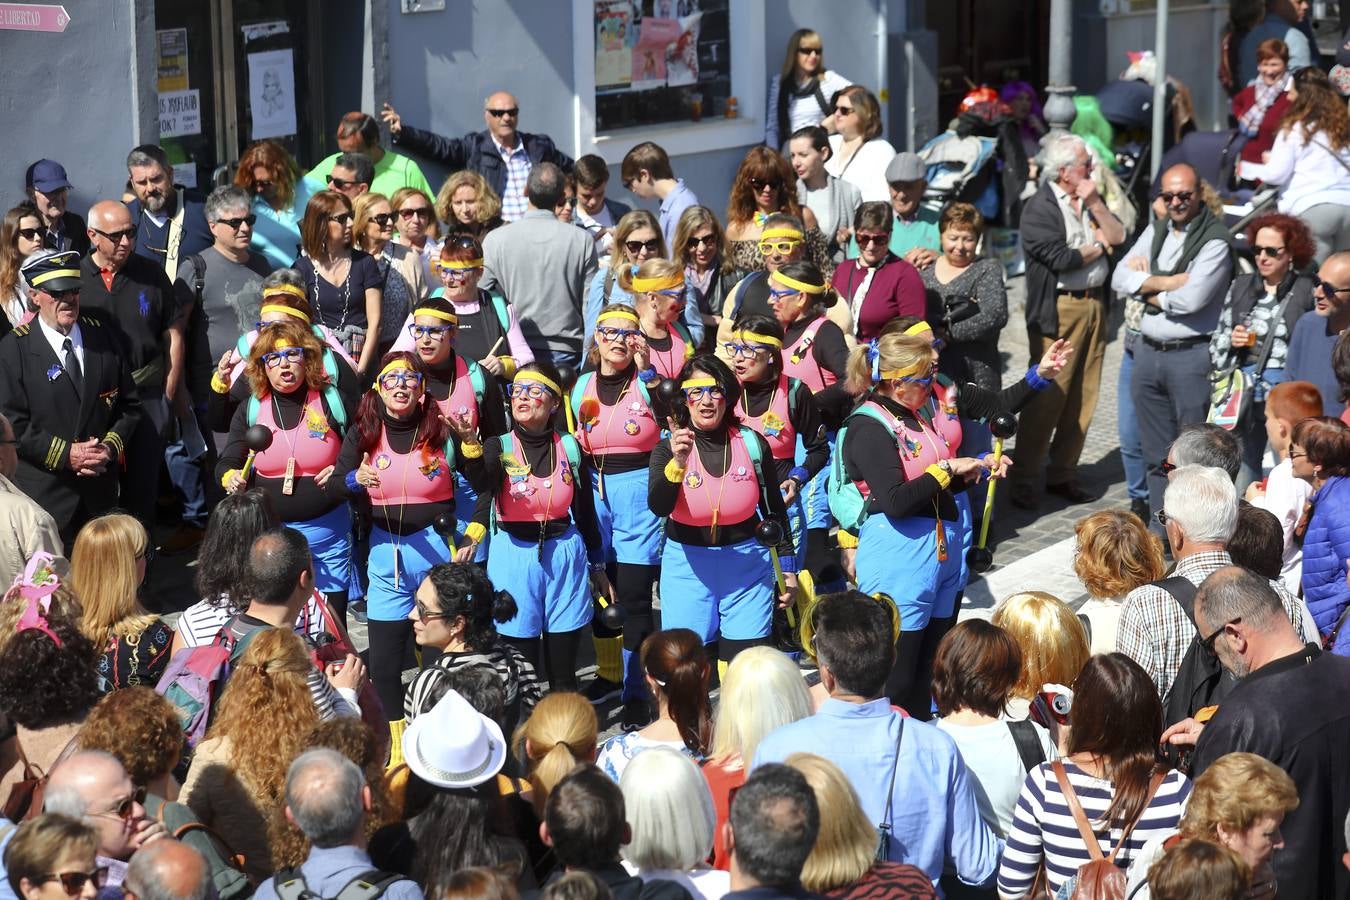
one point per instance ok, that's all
(1089, 294)
(1177, 344)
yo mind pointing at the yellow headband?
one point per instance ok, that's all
(281, 344)
(278, 308)
(394, 366)
(659, 283)
(437, 314)
(539, 378)
(906, 371)
(290, 289)
(802, 286)
(460, 263)
(56, 273)
(920, 327)
(705, 381)
(782, 231)
(619, 314)
(767, 340)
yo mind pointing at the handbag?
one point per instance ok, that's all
(1232, 389)
(884, 828)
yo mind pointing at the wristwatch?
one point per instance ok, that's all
(946, 466)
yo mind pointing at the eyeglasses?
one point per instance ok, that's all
(614, 335)
(382, 219)
(277, 357)
(1272, 252)
(117, 237)
(400, 378)
(695, 242)
(60, 296)
(259, 326)
(744, 351)
(810, 51)
(1168, 467)
(1182, 197)
(652, 246)
(341, 183)
(463, 242)
(1207, 644)
(671, 294)
(341, 218)
(426, 615)
(1161, 517)
(569, 202)
(126, 806)
(865, 238)
(531, 389)
(262, 186)
(421, 212)
(30, 234)
(430, 332)
(237, 222)
(1298, 454)
(513, 112)
(1327, 287)
(712, 392)
(775, 294)
(457, 274)
(783, 248)
(73, 882)
(843, 110)
(760, 184)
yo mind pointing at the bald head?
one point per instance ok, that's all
(501, 114)
(1331, 298)
(79, 779)
(168, 870)
(109, 215)
(1180, 190)
(110, 233)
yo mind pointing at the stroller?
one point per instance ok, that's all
(980, 160)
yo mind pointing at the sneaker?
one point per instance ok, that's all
(602, 689)
(1139, 506)
(356, 611)
(636, 714)
(186, 537)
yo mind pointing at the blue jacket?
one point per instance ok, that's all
(476, 151)
(152, 240)
(1326, 547)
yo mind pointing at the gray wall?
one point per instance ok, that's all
(74, 97)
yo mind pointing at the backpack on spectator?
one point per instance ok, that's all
(290, 885)
(1201, 681)
(192, 683)
(1100, 879)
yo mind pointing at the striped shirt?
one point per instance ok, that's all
(518, 676)
(518, 163)
(201, 622)
(1044, 828)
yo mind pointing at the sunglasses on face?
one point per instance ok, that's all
(430, 332)
(463, 242)
(843, 110)
(277, 357)
(400, 378)
(263, 186)
(1182, 197)
(382, 219)
(341, 183)
(712, 392)
(117, 237)
(809, 51)
(498, 113)
(744, 351)
(530, 389)
(1207, 644)
(695, 242)
(421, 212)
(1327, 287)
(126, 807)
(760, 184)
(62, 296)
(1161, 517)
(341, 218)
(671, 294)
(73, 882)
(235, 223)
(30, 234)
(614, 335)
(865, 239)
(635, 247)
(783, 248)
(1272, 252)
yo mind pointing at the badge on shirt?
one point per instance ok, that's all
(316, 423)
(514, 468)
(54, 373)
(741, 474)
(693, 480)
(431, 466)
(383, 461)
(773, 425)
(109, 397)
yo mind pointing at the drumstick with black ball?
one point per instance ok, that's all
(257, 439)
(567, 377)
(769, 534)
(980, 558)
(671, 394)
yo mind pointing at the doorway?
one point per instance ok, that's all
(987, 42)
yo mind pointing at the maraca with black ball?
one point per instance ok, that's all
(257, 439)
(446, 524)
(674, 399)
(611, 615)
(769, 534)
(567, 377)
(980, 559)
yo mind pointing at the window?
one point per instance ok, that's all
(667, 71)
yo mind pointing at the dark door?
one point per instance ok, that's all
(988, 42)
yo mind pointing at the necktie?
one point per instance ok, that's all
(72, 366)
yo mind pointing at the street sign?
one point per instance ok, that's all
(33, 17)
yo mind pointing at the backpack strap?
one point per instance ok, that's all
(368, 885)
(476, 380)
(1028, 743)
(752, 439)
(1076, 808)
(1154, 783)
(1182, 591)
(251, 407)
(573, 451)
(290, 885)
(683, 331)
(820, 99)
(198, 277)
(233, 860)
(503, 314)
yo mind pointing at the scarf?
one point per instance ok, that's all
(1203, 228)
(1266, 94)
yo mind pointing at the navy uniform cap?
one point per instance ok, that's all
(52, 270)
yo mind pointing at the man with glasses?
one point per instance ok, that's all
(133, 297)
(170, 224)
(350, 175)
(48, 189)
(914, 232)
(1286, 707)
(501, 153)
(359, 132)
(1157, 620)
(94, 787)
(1066, 232)
(1316, 332)
(67, 390)
(1180, 268)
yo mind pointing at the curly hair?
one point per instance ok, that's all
(1318, 110)
(463, 591)
(265, 710)
(296, 334)
(281, 169)
(489, 204)
(762, 164)
(1235, 791)
(1298, 240)
(42, 684)
(1116, 553)
(140, 728)
(352, 738)
(369, 413)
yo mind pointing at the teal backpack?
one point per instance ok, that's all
(847, 503)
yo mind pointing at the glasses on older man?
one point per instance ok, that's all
(126, 807)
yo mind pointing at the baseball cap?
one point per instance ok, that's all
(47, 175)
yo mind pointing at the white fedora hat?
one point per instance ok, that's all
(453, 745)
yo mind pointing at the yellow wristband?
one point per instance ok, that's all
(847, 540)
(471, 451)
(508, 366)
(475, 532)
(218, 384)
(941, 475)
(225, 479)
(674, 472)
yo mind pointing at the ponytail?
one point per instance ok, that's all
(560, 732)
(503, 606)
(676, 661)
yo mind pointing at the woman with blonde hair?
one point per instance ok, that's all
(800, 95)
(637, 241)
(701, 248)
(415, 214)
(659, 295)
(1115, 554)
(107, 567)
(467, 204)
(401, 270)
(672, 822)
(1239, 803)
(238, 774)
(560, 734)
(761, 690)
(1053, 641)
(843, 863)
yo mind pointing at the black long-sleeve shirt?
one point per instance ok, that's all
(711, 447)
(805, 419)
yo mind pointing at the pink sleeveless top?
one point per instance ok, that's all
(800, 363)
(629, 426)
(731, 498)
(776, 422)
(532, 498)
(422, 476)
(313, 442)
(919, 445)
(946, 420)
(462, 400)
(669, 363)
